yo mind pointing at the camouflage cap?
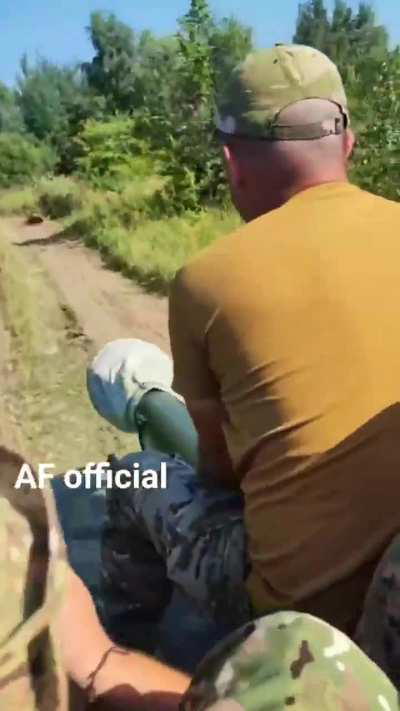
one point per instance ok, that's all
(289, 660)
(269, 81)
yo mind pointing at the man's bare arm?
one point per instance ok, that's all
(215, 463)
(194, 379)
(116, 679)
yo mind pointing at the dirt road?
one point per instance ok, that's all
(105, 304)
(80, 306)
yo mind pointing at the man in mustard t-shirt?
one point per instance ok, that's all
(286, 349)
(285, 342)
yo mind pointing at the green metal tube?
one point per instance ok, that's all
(164, 424)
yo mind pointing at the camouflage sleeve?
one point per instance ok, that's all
(33, 564)
(289, 660)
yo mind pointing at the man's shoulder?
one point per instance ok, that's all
(364, 204)
(228, 251)
(380, 201)
(220, 247)
(271, 236)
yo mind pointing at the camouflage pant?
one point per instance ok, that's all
(186, 536)
(193, 537)
(378, 633)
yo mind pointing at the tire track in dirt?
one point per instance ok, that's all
(104, 304)
(82, 306)
(8, 436)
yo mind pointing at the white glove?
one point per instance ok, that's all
(119, 376)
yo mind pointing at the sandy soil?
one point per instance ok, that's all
(84, 305)
(106, 304)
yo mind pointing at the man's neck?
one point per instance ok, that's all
(291, 190)
(287, 192)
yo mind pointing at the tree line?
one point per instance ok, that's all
(144, 104)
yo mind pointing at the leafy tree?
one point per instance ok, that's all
(377, 159)
(197, 71)
(156, 73)
(111, 73)
(339, 39)
(54, 102)
(312, 27)
(184, 135)
(167, 85)
(369, 38)
(110, 155)
(346, 37)
(231, 41)
(188, 155)
(22, 159)
(355, 37)
(83, 107)
(10, 114)
(43, 93)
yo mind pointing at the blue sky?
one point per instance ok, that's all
(56, 28)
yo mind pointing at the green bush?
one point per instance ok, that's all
(377, 157)
(22, 159)
(111, 155)
(56, 197)
(154, 250)
(59, 197)
(18, 202)
(106, 210)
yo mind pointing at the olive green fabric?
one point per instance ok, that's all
(289, 661)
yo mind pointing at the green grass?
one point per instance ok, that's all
(152, 252)
(22, 308)
(22, 201)
(124, 226)
(50, 197)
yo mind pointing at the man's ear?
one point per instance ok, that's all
(350, 143)
(232, 166)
